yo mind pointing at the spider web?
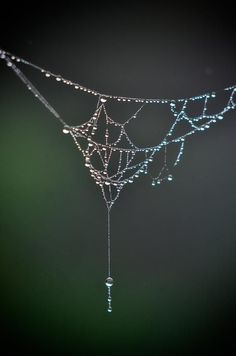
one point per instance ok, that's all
(110, 154)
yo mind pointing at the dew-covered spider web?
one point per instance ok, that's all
(110, 153)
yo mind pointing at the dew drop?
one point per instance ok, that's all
(66, 130)
(109, 282)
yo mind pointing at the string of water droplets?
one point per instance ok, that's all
(127, 169)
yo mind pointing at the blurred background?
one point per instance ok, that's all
(173, 248)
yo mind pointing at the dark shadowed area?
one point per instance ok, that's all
(173, 247)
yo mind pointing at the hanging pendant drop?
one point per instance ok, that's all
(109, 282)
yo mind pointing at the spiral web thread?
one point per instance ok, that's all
(131, 161)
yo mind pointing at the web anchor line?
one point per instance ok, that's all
(114, 162)
(77, 86)
(31, 87)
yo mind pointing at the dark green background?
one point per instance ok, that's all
(174, 247)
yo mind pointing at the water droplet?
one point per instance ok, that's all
(47, 75)
(58, 79)
(9, 64)
(109, 309)
(66, 130)
(103, 100)
(170, 177)
(109, 282)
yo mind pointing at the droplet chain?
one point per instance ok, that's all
(109, 281)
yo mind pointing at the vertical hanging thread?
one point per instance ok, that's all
(109, 241)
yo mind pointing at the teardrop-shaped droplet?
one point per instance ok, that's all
(109, 282)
